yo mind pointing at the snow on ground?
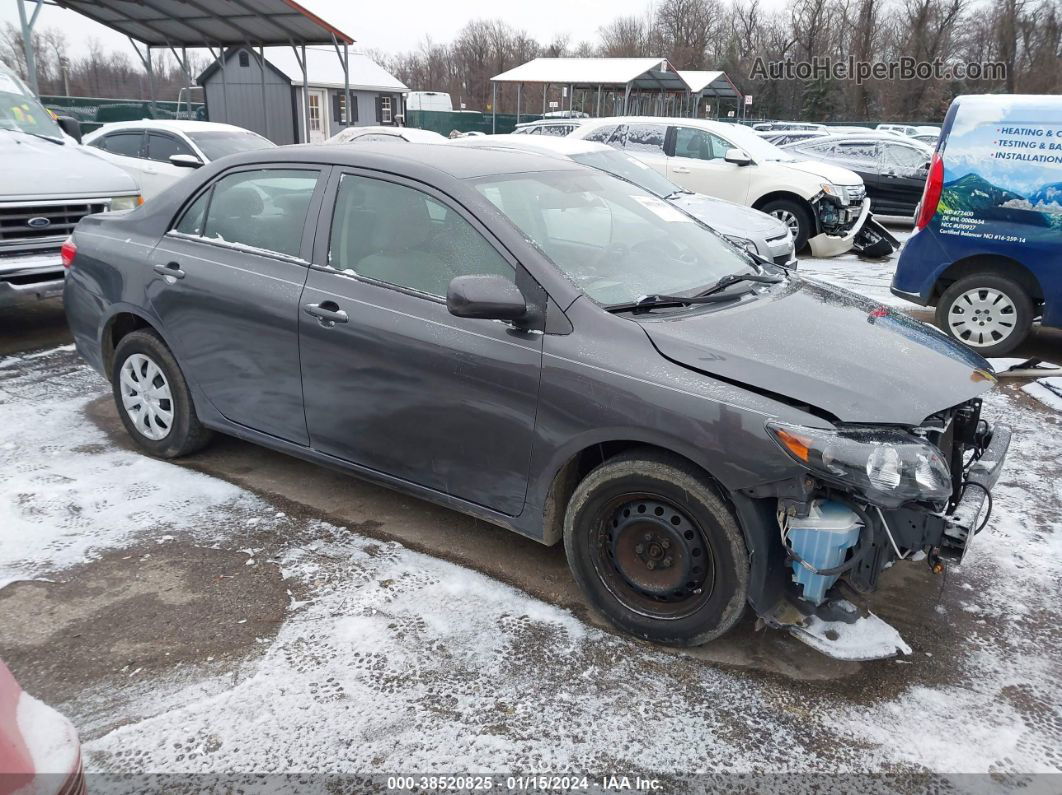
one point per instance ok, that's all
(396, 661)
(1048, 391)
(867, 277)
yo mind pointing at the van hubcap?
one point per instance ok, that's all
(983, 316)
(146, 397)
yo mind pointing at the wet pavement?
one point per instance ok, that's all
(244, 611)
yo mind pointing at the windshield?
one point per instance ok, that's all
(20, 110)
(628, 168)
(755, 147)
(224, 142)
(614, 240)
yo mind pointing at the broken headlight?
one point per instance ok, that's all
(889, 467)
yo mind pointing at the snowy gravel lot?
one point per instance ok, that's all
(382, 659)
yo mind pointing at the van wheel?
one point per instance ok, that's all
(792, 215)
(153, 398)
(655, 549)
(989, 313)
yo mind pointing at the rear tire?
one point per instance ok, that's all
(989, 313)
(656, 550)
(793, 215)
(152, 398)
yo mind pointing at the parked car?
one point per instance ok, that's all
(824, 206)
(989, 226)
(746, 228)
(48, 182)
(161, 152)
(902, 129)
(781, 138)
(383, 134)
(457, 323)
(40, 753)
(893, 169)
(558, 127)
(789, 126)
(929, 139)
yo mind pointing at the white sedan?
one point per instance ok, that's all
(364, 135)
(158, 152)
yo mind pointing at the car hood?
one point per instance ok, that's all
(835, 174)
(727, 217)
(34, 168)
(829, 349)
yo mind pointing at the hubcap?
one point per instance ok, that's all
(146, 397)
(983, 316)
(789, 219)
(653, 558)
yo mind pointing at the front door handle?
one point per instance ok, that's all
(680, 170)
(328, 312)
(171, 269)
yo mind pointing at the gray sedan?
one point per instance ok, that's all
(752, 230)
(558, 352)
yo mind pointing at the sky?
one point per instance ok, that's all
(380, 26)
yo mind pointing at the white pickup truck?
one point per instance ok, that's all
(48, 182)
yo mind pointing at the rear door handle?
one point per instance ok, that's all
(171, 269)
(328, 312)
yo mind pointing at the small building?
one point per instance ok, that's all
(236, 88)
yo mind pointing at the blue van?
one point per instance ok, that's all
(987, 250)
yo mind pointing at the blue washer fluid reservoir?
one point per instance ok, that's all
(822, 539)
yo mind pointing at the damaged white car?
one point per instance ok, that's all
(825, 206)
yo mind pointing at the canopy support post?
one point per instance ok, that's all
(261, 69)
(145, 59)
(599, 100)
(626, 98)
(519, 86)
(344, 58)
(493, 107)
(545, 88)
(571, 99)
(27, 42)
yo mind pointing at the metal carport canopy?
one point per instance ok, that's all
(204, 23)
(710, 84)
(654, 73)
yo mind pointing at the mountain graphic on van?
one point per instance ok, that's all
(974, 192)
(1047, 198)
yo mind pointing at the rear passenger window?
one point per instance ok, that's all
(401, 236)
(127, 144)
(602, 134)
(645, 138)
(263, 209)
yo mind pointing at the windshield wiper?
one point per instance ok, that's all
(708, 296)
(43, 137)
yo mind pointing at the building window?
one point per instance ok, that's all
(385, 110)
(245, 59)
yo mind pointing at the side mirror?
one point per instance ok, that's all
(70, 126)
(487, 297)
(737, 157)
(185, 161)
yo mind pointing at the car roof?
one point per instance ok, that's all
(172, 125)
(565, 147)
(704, 124)
(870, 135)
(459, 162)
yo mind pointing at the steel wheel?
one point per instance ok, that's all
(982, 317)
(652, 557)
(146, 397)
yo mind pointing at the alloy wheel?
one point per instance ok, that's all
(146, 397)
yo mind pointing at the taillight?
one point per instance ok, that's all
(931, 193)
(67, 252)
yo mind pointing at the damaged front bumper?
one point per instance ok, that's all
(835, 626)
(832, 245)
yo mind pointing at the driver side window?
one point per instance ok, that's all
(401, 236)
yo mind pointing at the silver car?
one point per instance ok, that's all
(746, 228)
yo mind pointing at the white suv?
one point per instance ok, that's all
(825, 206)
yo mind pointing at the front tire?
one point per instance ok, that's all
(152, 398)
(656, 550)
(794, 216)
(989, 313)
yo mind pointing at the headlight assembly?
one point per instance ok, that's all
(743, 243)
(126, 202)
(888, 466)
